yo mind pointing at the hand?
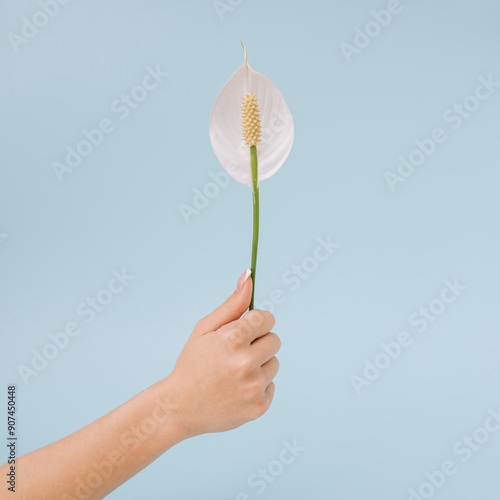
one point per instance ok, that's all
(223, 377)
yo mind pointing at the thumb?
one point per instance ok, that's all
(230, 310)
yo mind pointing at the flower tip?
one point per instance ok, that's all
(245, 51)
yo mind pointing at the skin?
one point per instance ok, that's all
(222, 379)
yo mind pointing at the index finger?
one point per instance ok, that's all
(256, 323)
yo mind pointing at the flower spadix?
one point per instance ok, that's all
(250, 111)
(250, 120)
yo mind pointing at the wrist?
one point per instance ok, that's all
(168, 410)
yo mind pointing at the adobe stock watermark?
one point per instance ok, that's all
(3, 237)
(454, 118)
(419, 321)
(129, 442)
(87, 311)
(363, 36)
(121, 107)
(464, 449)
(30, 27)
(263, 477)
(222, 7)
(295, 275)
(203, 197)
(277, 124)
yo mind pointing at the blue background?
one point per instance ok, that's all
(121, 209)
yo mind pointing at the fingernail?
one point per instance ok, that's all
(243, 279)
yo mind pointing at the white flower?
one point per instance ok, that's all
(225, 126)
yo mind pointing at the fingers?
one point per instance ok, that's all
(256, 323)
(270, 392)
(244, 331)
(230, 310)
(270, 369)
(264, 348)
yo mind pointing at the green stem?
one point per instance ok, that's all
(255, 242)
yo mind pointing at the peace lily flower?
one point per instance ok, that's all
(251, 132)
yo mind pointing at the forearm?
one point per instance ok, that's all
(95, 460)
(222, 379)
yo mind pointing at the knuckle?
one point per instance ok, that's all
(276, 361)
(270, 390)
(242, 365)
(241, 330)
(256, 318)
(269, 317)
(255, 387)
(277, 341)
(259, 408)
(236, 335)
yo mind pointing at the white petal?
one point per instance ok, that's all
(225, 126)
